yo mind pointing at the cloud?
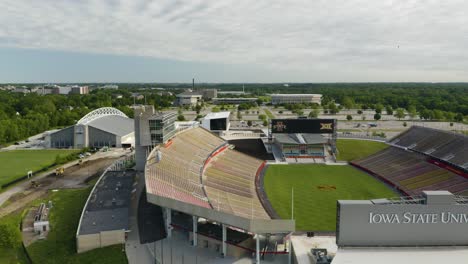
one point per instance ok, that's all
(325, 40)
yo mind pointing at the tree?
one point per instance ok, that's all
(412, 111)
(378, 108)
(389, 110)
(181, 118)
(239, 115)
(459, 117)
(405, 124)
(249, 123)
(265, 123)
(400, 113)
(359, 112)
(262, 117)
(333, 108)
(314, 113)
(349, 117)
(198, 108)
(377, 116)
(348, 102)
(438, 115)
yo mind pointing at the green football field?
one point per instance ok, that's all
(316, 190)
(352, 149)
(16, 163)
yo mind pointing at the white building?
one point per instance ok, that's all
(296, 98)
(216, 121)
(188, 98)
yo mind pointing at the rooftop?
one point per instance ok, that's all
(109, 204)
(217, 115)
(117, 125)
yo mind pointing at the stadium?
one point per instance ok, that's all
(244, 197)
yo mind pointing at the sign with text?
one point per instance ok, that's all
(308, 126)
(366, 224)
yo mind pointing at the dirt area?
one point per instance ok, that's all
(74, 177)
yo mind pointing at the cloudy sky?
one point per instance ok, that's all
(233, 40)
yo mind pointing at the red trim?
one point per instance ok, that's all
(448, 167)
(215, 153)
(168, 143)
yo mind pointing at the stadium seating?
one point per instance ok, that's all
(177, 175)
(443, 145)
(229, 181)
(410, 172)
(195, 169)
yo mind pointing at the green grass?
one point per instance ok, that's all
(268, 113)
(16, 163)
(315, 209)
(352, 149)
(60, 245)
(14, 253)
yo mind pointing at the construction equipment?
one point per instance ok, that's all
(34, 184)
(59, 171)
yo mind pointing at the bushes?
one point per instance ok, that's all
(10, 236)
(64, 159)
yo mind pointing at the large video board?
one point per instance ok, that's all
(310, 126)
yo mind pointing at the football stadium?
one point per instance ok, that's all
(253, 200)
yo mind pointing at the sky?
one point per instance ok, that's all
(233, 41)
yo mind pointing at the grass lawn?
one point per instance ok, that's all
(60, 245)
(13, 253)
(16, 163)
(352, 149)
(268, 113)
(316, 190)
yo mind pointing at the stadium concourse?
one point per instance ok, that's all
(198, 174)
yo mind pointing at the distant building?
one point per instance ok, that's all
(23, 90)
(234, 100)
(216, 121)
(209, 94)
(191, 98)
(233, 92)
(79, 90)
(188, 98)
(296, 98)
(109, 86)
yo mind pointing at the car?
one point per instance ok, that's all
(81, 156)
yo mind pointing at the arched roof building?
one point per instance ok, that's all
(106, 126)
